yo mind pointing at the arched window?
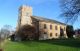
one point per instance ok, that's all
(55, 27)
(45, 26)
(50, 26)
(56, 34)
(50, 34)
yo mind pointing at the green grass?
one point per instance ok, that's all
(47, 45)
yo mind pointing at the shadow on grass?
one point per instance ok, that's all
(62, 42)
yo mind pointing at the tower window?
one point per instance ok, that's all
(45, 26)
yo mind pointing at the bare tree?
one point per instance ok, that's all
(70, 9)
(5, 31)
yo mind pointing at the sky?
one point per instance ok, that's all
(44, 8)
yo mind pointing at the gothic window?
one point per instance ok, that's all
(45, 26)
(50, 26)
(50, 34)
(55, 27)
(56, 34)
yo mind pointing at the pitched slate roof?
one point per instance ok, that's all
(47, 20)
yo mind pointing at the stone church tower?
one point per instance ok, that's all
(45, 28)
(25, 13)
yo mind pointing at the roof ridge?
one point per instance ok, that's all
(47, 19)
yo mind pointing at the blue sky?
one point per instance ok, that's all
(45, 8)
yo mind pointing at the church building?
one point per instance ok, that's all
(52, 28)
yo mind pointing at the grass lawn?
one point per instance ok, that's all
(47, 45)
